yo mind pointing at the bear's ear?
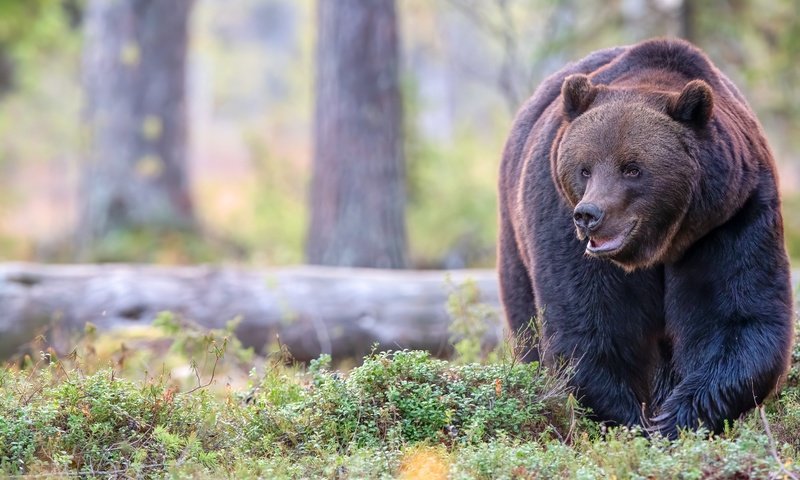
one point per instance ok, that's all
(693, 105)
(578, 93)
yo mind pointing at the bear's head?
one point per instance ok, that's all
(625, 165)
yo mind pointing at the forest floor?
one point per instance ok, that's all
(170, 402)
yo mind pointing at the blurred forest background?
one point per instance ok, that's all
(189, 131)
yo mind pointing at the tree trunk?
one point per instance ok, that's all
(134, 68)
(313, 310)
(358, 186)
(687, 13)
(7, 70)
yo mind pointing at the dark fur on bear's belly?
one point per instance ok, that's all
(690, 322)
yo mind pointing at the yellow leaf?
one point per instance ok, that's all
(149, 166)
(130, 55)
(152, 127)
(427, 463)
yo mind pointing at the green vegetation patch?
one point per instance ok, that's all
(51, 421)
(406, 397)
(399, 414)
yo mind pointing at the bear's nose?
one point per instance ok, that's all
(587, 216)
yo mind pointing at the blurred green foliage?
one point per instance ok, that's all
(30, 20)
(29, 28)
(452, 208)
(277, 226)
(151, 245)
(791, 225)
(451, 188)
(471, 321)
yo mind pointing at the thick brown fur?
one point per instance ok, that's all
(640, 225)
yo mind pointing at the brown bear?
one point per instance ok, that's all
(640, 225)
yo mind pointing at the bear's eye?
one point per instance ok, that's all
(585, 173)
(631, 171)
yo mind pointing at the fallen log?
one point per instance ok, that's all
(314, 310)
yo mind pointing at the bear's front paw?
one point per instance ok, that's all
(665, 424)
(672, 417)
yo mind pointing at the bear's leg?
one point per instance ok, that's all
(608, 322)
(663, 381)
(516, 293)
(603, 319)
(613, 375)
(729, 312)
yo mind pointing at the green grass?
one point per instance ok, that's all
(394, 414)
(120, 407)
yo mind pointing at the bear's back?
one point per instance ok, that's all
(672, 57)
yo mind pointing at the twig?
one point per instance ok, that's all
(200, 385)
(773, 450)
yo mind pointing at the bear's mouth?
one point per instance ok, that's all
(604, 246)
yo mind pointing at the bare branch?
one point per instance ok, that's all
(773, 449)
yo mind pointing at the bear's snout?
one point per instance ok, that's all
(587, 217)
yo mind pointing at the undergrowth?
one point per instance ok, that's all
(95, 414)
